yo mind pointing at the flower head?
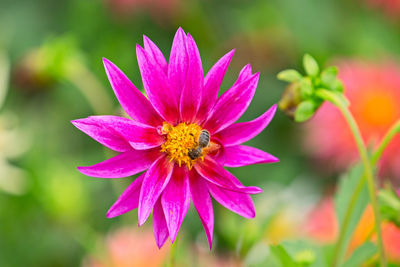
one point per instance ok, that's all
(181, 136)
(373, 91)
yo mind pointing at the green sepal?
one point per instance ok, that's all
(328, 76)
(306, 88)
(305, 110)
(310, 65)
(289, 75)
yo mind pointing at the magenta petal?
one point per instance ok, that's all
(175, 200)
(136, 105)
(125, 164)
(243, 131)
(212, 83)
(178, 64)
(155, 180)
(129, 199)
(238, 156)
(157, 86)
(192, 90)
(159, 224)
(216, 174)
(139, 136)
(203, 204)
(103, 134)
(239, 203)
(231, 105)
(244, 74)
(155, 53)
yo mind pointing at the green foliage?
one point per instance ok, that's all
(361, 255)
(349, 184)
(389, 205)
(289, 75)
(304, 111)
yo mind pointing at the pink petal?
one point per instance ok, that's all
(155, 180)
(159, 224)
(203, 204)
(139, 136)
(178, 64)
(239, 203)
(192, 90)
(155, 53)
(238, 156)
(212, 83)
(175, 200)
(231, 105)
(157, 87)
(244, 74)
(243, 131)
(129, 199)
(216, 174)
(102, 134)
(125, 164)
(131, 99)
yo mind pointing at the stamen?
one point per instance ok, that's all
(180, 140)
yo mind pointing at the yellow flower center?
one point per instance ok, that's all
(180, 140)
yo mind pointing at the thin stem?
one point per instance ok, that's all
(394, 129)
(367, 169)
(340, 102)
(172, 253)
(386, 140)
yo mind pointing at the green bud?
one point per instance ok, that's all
(310, 65)
(289, 75)
(290, 99)
(306, 88)
(305, 110)
(337, 85)
(328, 76)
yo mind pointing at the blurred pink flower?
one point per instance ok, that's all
(163, 138)
(128, 247)
(391, 7)
(374, 93)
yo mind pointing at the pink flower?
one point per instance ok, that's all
(390, 7)
(165, 129)
(373, 90)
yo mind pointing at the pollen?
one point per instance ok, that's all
(180, 139)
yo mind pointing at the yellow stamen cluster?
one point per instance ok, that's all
(179, 141)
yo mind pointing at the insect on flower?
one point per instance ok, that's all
(203, 142)
(182, 113)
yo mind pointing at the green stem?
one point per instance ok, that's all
(337, 100)
(395, 129)
(172, 253)
(374, 159)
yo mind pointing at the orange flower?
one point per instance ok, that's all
(374, 93)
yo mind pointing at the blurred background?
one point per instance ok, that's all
(51, 72)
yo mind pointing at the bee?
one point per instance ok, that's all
(204, 141)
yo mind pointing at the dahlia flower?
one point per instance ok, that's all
(162, 138)
(373, 90)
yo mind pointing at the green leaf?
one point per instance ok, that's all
(310, 65)
(289, 75)
(283, 256)
(304, 111)
(328, 76)
(361, 255)
(348, 185)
